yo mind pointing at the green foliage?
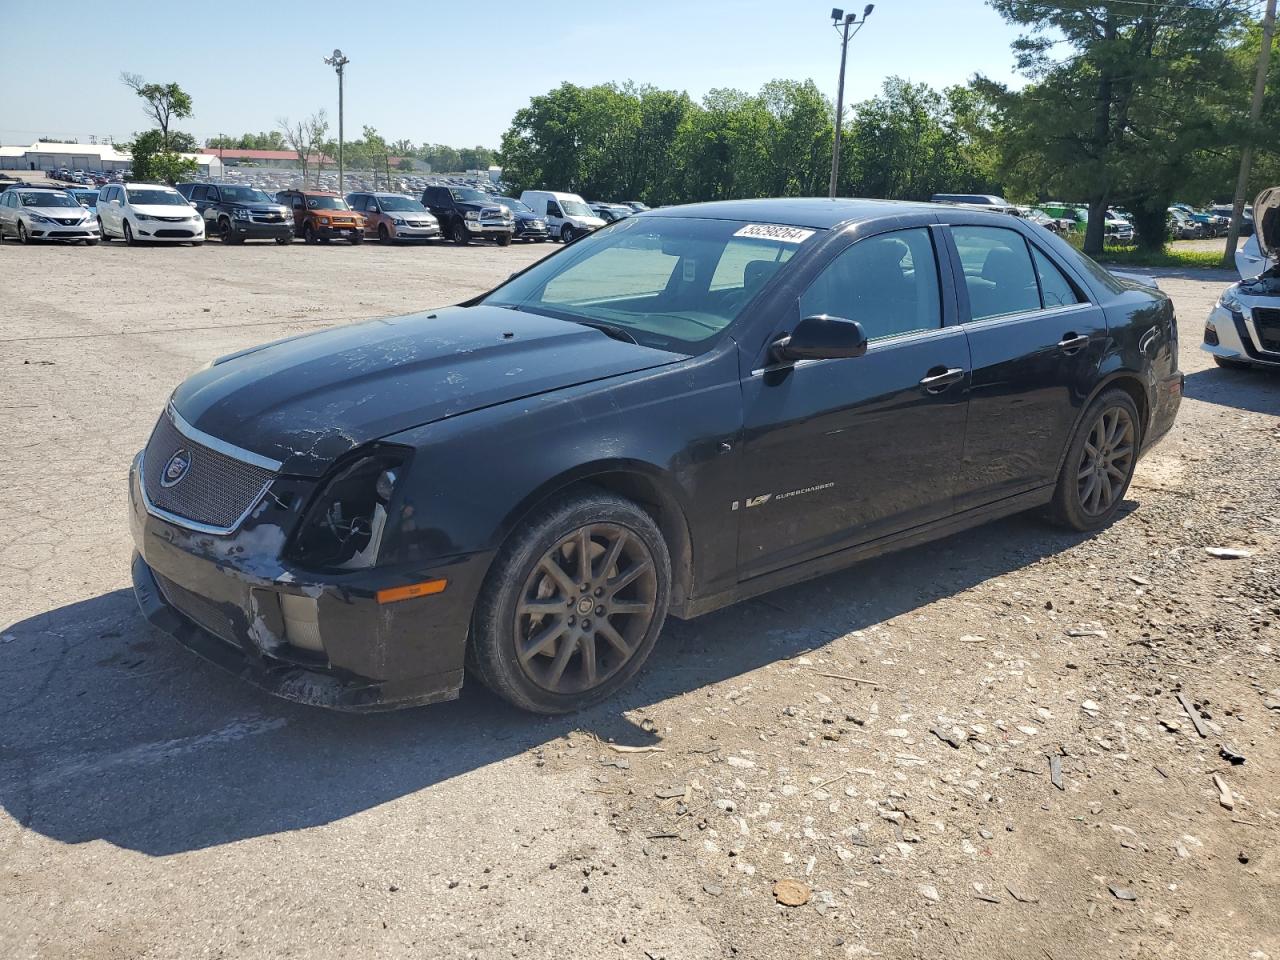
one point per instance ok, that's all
(1137, 99)
(162, 102)
(266, 140)
(153, 163)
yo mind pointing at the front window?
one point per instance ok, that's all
(47, 200)
(575, 208)
(156, 198)
(467, 195)
(244, 195)
(326, 203)
(401, 205)
(666, 282)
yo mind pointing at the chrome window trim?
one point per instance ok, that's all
(1025, 315)
(213, 443)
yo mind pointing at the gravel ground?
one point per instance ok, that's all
(887, 739)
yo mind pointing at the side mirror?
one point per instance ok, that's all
(821, 338)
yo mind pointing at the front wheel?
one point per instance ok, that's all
(1099, 463)
(504, 240)
(573, 605)
(384, 235)
(128, 235)
(282, 241)
(357, 237)
(461, 235)
(23, 237)
(228, 232)
(568, 234)
(309, 234)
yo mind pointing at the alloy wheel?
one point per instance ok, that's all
(22, 233)
(1106, 461)
(585, 608)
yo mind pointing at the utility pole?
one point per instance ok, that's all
(842, 23)
(1246, 154)
(338, 62)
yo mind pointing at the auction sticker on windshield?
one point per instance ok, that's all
(775, 231)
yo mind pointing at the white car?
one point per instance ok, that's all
(1249, 259)
(29, 214)
(1243, 329)
(137, 212)
(567, 214)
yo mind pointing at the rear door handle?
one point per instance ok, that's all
(1070, 343)
(939, 378)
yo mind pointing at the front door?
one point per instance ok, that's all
(842, 452)
(1036, 343)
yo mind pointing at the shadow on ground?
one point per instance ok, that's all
(1252, 389)
(109, 731)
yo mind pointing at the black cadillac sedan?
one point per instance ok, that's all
(685, 408)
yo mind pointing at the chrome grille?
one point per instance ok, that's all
(217, 491)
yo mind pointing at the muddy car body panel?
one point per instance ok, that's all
(758, 472)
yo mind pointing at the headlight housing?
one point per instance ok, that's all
(322, 219)
(142, 216)
(1230, 302)
(39, 219)
(471, 215)
(345, 525)
(398, 221)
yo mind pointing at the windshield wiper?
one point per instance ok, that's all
(609, 329)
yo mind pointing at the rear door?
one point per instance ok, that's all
(842, 452)
(1036, 342)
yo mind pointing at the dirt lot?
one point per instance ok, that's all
(152, 807)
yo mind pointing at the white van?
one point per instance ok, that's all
(567, 214)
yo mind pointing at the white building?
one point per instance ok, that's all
(86, 156)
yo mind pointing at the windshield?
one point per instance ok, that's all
(515, 206)
(326, 203)
(406, 204)
(671, 283)
(156, 198)
(47, 200)
(244, 195)
(575, 208)
(88, 198)
(467, 195)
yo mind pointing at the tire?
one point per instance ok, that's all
(1099, 463)
(102, 230)
(22, 233)
(128, 235)
(91, 243)
(539, 239)
(1227, 363)
(460, 234)
(284, 241)
(357, 237)
(568, 234)
(384, 235)
(504, 240)
(228, 235)
(308, 233)
(533, 569)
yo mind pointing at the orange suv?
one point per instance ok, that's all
(322, 216)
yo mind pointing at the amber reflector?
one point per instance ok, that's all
(423, 589)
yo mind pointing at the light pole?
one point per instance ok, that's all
(842, 23)
(338, 61)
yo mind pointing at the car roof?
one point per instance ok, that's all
(817, 213)
(153, 186)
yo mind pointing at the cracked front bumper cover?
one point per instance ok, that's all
(316, 686)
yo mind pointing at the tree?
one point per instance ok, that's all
(378, 154)
(163, 103)
(153, 162)
(306, 138)
(1122, 114)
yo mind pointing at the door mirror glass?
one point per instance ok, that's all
(821, 337)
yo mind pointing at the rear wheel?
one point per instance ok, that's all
(573, 605)
(102, 230)
(461, 235)
(1099, 463)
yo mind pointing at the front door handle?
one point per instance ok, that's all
(939, 378)
(1071, 343)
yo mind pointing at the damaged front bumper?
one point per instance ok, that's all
(320, 640)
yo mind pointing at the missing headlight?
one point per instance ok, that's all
(344, 527)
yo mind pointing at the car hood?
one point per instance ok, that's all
(1266, 221)
(164, 209)
(57, 213)
(307, 400)
(257, 207)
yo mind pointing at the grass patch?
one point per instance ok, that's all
(1168, 257)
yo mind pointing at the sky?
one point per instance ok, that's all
(454, 72)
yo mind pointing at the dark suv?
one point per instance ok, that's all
(676, 412)
(528, 225)
(467, 214)
(238, 213)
